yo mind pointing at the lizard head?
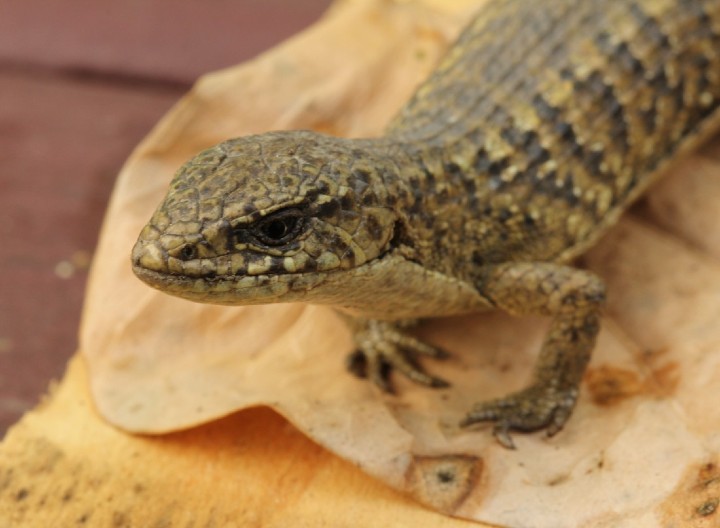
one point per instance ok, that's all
(267, 218)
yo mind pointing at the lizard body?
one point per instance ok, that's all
(542, 124)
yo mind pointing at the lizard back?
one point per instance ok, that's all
(543, 123)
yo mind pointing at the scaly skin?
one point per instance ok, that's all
(542, 124)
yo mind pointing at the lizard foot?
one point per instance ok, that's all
(382, 347)
(537, 407)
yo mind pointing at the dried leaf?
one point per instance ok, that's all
(646, 421)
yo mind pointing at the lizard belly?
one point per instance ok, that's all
(393, 288)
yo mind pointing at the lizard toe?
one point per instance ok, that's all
(383, 347)
(536, 408)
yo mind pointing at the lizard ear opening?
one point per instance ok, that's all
(400, 236)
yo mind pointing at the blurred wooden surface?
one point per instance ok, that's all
(63, 466)
(81, 83)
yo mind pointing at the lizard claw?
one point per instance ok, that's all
(384, 347)
(537, 407)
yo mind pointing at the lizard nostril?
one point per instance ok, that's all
(137, 253)
(188, 252)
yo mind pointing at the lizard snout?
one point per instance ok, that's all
(148, 255)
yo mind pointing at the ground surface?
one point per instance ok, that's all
(81, 83)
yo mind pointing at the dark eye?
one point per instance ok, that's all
(279, 228)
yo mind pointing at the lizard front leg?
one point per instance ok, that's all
(383, 346)
(573, 298)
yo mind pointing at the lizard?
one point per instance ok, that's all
(540, 126)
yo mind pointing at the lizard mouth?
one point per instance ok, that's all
(200, 283)
(245, 289)
(239, 288)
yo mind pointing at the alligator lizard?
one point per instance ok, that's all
(541, 125)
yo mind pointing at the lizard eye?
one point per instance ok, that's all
(279, 228)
